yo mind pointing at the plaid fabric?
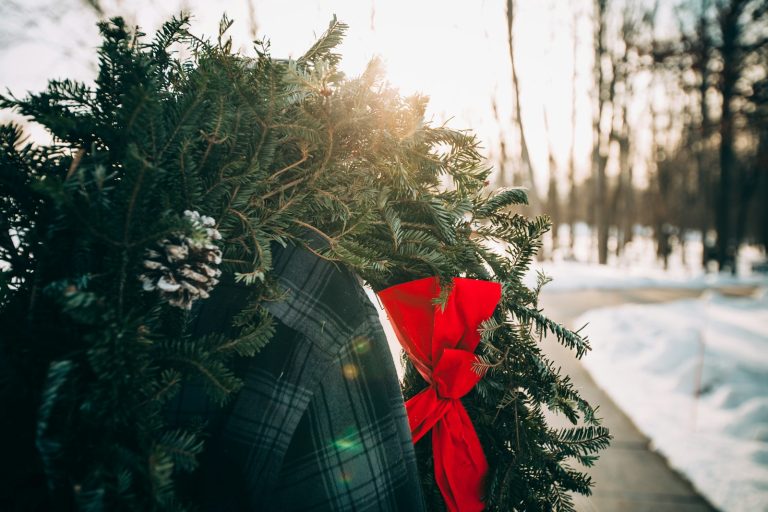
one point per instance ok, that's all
(320, 423)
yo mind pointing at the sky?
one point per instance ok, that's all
(453, 51)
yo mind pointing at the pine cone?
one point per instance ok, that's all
(184, 268)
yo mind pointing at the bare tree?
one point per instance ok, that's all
(572, 157)
(622, 207)
(533, 196)
(604, 88)
(253, 22)
(503, 178)
(553, 196)
(732, 37)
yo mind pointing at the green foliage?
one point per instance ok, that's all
(276, 152)
(529, 460)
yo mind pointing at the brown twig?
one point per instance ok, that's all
(75, 162)
(327, 238)
(304, 157)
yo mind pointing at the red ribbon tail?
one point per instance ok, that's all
(460, 464)
(441, 344)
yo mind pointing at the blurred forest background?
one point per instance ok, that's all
(623, 118)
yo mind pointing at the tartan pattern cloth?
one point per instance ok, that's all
(319, 424)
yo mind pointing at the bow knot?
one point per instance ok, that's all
(453, 376)
(440, 343)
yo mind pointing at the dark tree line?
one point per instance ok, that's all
(699, 74)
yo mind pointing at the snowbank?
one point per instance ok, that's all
(693, 376)
(569, 275)
(639, 267)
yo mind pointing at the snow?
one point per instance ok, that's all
(572, 275)
(692, 376)
(638, 265)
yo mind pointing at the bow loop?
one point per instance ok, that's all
(440, 342)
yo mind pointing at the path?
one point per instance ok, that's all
(630, 476)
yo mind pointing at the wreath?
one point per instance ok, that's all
(185, 161)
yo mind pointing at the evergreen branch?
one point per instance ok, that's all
(138, 183)
(566, 337)
(172, 382)
(170, 32)
(181, 123)
(254, 235)
(501, 198)
(183, 447)
(583, 439)
(252, 340)
(49, 442)
(481, 365)
(218, 382)
(213, 139)
(322, 49)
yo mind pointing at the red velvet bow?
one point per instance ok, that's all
(441, 344)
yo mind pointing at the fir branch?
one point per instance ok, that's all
(252, 340)
(183, 447)
(221, 380)
(564, 336)
(501, 198)
(323, 48)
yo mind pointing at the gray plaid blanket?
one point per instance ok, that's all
(320, 423)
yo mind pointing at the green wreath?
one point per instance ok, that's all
(171, 171)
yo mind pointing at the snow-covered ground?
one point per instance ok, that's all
(638, 265)
(693, 376)
(572, 275)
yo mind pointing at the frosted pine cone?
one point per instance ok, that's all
(184, 268)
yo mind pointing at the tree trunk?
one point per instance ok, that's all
(572, 160)
(747, 189)
(701, 64)
(624, 191)
(533, 196)
(553, 201)
(729, 25)
(761, 231)
(553, 197)
(502, 179)
(598, 160)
